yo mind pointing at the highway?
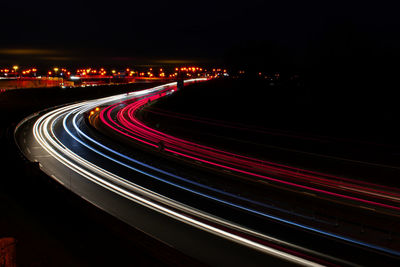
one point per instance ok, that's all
(192, 196)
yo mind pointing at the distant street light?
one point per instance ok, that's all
(15, 69)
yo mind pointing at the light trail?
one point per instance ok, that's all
(225, 193)
(44, 132)
(127, 124)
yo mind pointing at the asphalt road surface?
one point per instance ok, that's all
(189, 196)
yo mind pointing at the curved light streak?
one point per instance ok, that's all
(124, 188)
(136, 130)
(54, 147)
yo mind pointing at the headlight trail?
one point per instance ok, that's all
(122, 120)
(216, 190)
(54, 146)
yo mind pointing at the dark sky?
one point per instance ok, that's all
(126, 32)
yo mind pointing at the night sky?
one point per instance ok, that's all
(294, 34)
(339, 76)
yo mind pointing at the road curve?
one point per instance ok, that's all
(72, 144)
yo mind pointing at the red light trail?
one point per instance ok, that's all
(124, 121)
